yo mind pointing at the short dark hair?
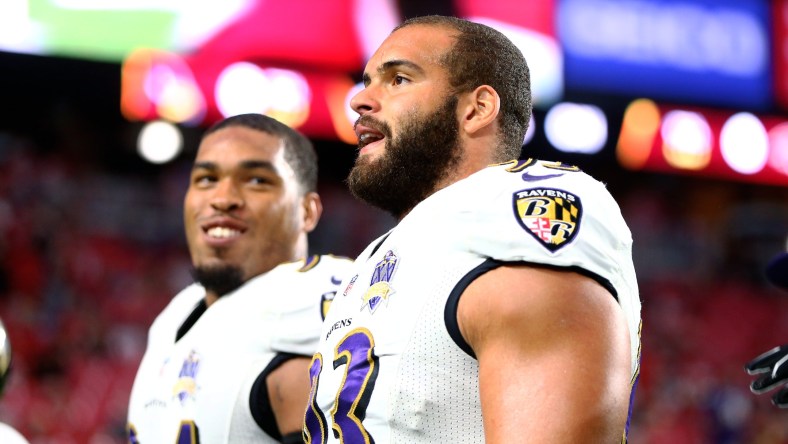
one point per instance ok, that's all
(484, 56)
(299, 152)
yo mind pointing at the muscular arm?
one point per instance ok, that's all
(288, 392)
(553, 353)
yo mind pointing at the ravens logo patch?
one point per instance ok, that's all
(551, 216)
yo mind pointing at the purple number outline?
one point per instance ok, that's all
(132, 434)
(187, 426)
(314, 421)
(356, 352)
(190, 429)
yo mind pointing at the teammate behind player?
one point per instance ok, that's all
(8, 435)
(503, 307)
(227, 359)
(771, 367)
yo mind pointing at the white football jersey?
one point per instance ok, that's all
(9, 435)
(392, 366)
(197, 389)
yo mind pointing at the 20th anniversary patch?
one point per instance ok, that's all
(550, 215)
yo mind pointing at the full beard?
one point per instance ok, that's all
(219, 280)
(413, 164)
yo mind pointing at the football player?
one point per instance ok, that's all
(772, 366)
(504, 306)
(8, 435)
(227, 360)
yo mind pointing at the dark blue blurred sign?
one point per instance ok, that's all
(714, 52)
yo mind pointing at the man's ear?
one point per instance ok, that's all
(313, 208)
(480, 109)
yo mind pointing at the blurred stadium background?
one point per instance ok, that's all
(680, 106)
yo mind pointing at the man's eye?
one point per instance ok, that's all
(399, 80)
(259, 180)
(204, 180)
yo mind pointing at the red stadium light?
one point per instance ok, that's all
(736, 146)
(160, 85)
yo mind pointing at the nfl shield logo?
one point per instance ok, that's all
(551, 216)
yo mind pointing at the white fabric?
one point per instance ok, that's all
(8, 435)
(204, 378)
(416, 385)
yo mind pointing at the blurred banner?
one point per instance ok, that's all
(193, 63)
(713, 52)
(780, 14)
(303, 69)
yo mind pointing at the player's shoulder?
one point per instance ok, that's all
(534, 173)
(9, 435)
(325, 262)
(178, 308)
(540, 207)
(314, 266)
(323, 273)
(534, 184)
(316, 274)
(184, 301)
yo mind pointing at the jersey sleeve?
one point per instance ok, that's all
(554, 215)
(9, 435)
(308, 293)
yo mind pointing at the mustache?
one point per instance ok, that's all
(377, 125)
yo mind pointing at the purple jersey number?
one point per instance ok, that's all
(356, 352)
(187, 433)
(132, 434)
(314, 421)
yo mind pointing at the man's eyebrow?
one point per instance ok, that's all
(246, 164)
(203, 165)
(390, 65)
(254, 164)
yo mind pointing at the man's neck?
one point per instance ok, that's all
(210, 298)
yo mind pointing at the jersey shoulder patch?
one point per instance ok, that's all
(552, 216)
(545, 199)
(536, 209)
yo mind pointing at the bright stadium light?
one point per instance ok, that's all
(576, 128)
(744, 143)
(778, 142)
(640, 125)
(687, 139)
(283, 94)
(242, 88)
(159, 142)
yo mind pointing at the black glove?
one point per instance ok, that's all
(773, 368)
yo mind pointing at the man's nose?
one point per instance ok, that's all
(227, 196)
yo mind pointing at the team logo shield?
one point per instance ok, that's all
(550, 215)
